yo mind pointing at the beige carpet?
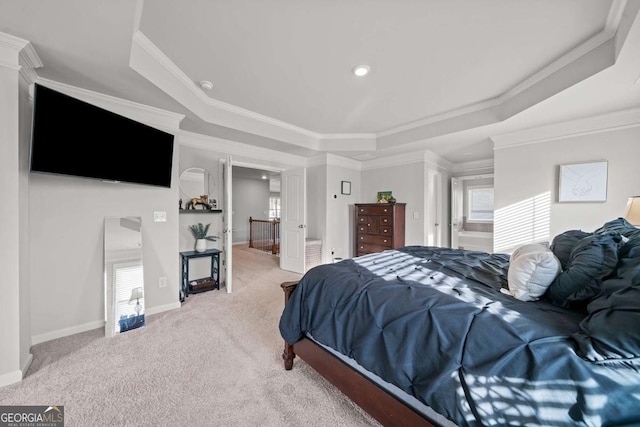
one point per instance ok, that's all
(214, 362)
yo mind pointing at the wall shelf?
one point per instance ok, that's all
(199, 211)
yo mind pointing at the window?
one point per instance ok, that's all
(274, 207)
(480, 206)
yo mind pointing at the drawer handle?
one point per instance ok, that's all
(361, 238)
(361, 247)
(385, 240)
(368, 225)
(385, 210)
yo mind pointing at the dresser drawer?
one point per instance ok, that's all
(374, 210)
(375, 240)
(364, 248)
(368, 224)
(384, 230)
(385, 220)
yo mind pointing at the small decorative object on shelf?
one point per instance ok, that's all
(180, 203)
(200, 232)
(392, 200)
(384, 196)
(202, 200)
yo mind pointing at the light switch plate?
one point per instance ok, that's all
(416, 215)
(160, 217)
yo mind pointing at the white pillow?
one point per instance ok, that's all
(532, 268)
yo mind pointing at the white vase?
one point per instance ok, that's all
(201, 245)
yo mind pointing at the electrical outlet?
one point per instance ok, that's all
(162, 282)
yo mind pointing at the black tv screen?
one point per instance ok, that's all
(73, 137)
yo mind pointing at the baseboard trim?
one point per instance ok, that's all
(10, 378)
(60, 333)
(37, 339)
(162, 308)
(27, 364)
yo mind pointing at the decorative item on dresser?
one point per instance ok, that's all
(379, 226)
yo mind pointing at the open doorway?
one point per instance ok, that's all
(472, 213)
(256, 208)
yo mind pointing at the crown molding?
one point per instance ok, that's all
(395, 160)
(607, 122)
(19, 54)
(433, 160)
(143, 113)
(251, 153)
(330, 159)
(474, 166)
(10, 48)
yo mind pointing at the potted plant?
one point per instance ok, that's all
(200, 232)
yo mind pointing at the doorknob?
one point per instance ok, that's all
(301, 226)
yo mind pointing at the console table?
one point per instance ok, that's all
(206, 283)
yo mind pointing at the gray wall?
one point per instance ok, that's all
(67, 248)
(250, 199)
(407, 183)
(528, 174)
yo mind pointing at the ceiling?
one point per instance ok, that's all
(446, 75)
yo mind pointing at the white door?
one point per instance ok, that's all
(227, 225)
(293, 220)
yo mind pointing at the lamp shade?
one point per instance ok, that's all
(632, 214)
(136, 294)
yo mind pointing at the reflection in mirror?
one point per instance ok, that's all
(195, 182)
(123, 274)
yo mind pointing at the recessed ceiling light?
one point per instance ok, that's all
(206, 85)
(264, 176)
(361, 70)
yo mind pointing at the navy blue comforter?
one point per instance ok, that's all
(433, 322)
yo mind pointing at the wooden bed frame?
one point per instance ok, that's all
(377, 402)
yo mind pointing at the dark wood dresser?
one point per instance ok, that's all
(379, 226)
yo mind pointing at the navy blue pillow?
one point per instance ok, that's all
(563, 244)
(619, 225)
(592, 259)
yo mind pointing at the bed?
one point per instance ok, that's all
(435, 336)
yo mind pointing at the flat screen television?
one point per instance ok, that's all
(72, 137)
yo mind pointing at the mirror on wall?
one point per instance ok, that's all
(123, 274)
(195, 183)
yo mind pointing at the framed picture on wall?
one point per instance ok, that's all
(345, 187)
(583, 182)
